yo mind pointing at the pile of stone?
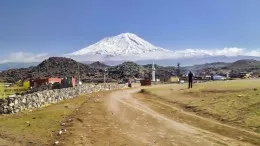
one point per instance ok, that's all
(17, 103)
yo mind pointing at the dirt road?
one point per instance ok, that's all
(120, 119)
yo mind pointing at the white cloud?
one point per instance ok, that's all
(229, 52)
(191, 53)
(253, 53)
(173, 54)
(24, 57)
(210, 52)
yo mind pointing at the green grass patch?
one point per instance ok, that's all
(6, 91)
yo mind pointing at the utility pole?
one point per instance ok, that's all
(21, 74)
(178, 69)
(153, 73)
(38, 70)
(105, 75)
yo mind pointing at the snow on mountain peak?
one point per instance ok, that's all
(125, 44)
(130, 47)
(127, 34)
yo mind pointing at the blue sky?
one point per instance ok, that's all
(63, 26)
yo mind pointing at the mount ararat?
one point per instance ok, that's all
(130, 47)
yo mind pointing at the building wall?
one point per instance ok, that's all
(37, 82)
(54, 80)
(145, 82)
(153, 76)
(74, 82)
(44, 81)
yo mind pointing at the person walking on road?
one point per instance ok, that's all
(190, 76)
(129, 84)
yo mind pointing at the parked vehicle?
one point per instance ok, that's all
(218, 77)
(244, 75)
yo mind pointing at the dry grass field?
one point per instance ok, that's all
(212, 113)
(37, 127)
(234, 102)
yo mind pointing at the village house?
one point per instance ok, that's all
(48, 81)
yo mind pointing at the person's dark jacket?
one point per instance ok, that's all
(190, 75)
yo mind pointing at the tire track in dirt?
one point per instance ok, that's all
(151, 128)
(173, 111)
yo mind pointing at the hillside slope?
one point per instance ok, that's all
(53, 67)
(64, 67)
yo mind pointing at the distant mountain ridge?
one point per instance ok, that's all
(94, 72)
(247, 63)
(98, 64)
(14, 65)
(222, 68)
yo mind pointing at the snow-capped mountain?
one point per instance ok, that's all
(130, 47)
(123, 45)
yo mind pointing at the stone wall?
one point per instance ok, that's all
(19, 103)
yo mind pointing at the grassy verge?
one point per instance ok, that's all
(232, 102)
(6, 91)
(38, 127)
